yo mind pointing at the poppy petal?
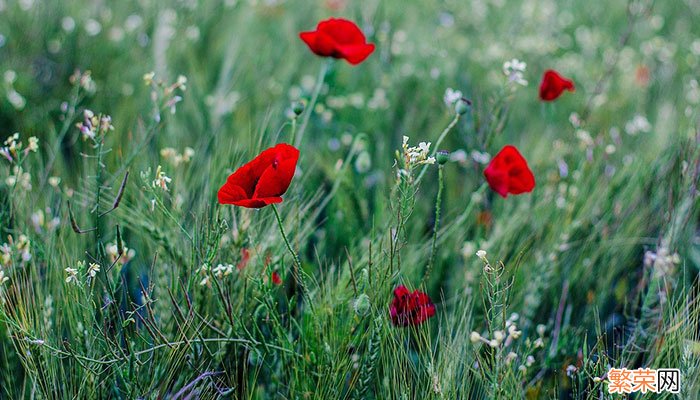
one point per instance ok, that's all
(230, 193)
(355, 54)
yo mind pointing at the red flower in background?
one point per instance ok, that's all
(410, 308)
(263, 180)
(553, 85)
(508, 173)
(338, 38)
(276, 279)
(245, 257)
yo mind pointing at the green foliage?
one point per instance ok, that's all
(127, 279)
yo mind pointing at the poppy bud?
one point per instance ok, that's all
(297, 108)
(442, 157)
(462, 106)
(362, 305)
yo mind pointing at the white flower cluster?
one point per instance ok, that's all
(173, 157)
(416, 155)
(451, 97)
(514, 70)
(113, 252)
(502, 339)
(19, 178)
(637, 124)
(222, 270)
(663, 262)
(93, 125)
(20, 247)
(40, 223)
(83, 80)
(72, 274)
(12, 148)
(161, 180)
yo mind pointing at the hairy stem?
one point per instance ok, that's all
(436, 226)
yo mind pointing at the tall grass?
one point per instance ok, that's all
(596, 268)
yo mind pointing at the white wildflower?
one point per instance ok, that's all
(161, 180)
(514, 70)
(54, 181)
(475, 337)
(637, 124)
(72, 275)
(529, 361)
(451, 96)
(93, 269)
(499, 336)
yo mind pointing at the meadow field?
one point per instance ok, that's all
(338, 199)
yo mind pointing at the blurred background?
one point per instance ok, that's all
(615, 162)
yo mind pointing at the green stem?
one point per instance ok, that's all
(294, 129)
(297, 263)
(437, 145)
(436, 226)
(314, 98)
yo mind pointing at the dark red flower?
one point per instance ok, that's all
(410, 308)
(508, 173)
(276, 279)
(338, 38)
(263, 180)
(553, 85)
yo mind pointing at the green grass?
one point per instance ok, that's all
(565, 264)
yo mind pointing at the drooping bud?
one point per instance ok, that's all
(297, 108)
(462, 106)
(442, 157)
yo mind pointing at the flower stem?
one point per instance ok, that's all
(310, 107)
(437, 145)
(294, 129)
(436, 226)
(297, 263)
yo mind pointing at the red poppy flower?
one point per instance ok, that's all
(245, 257)
(553, 85)
(410, 308)
(508, 173)
(338, 38)
(276, 279)
(263, 180)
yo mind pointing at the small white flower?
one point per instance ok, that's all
(72, 275)
(481, 254)
(161, 180)
(33, 144)
(514, 70)
(475, 337)
(529, 361)
(451, 96)
(499, 336)
(93, 269)
(541, 329)
(54, 181)
(3, 278)
(479, 157)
